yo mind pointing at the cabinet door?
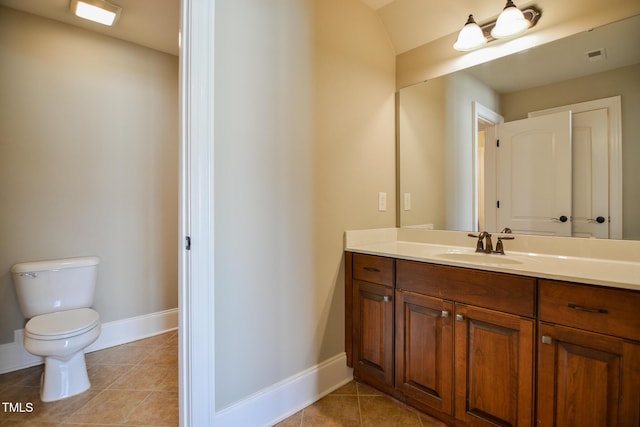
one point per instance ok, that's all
(494, 367)
(587, 379)
(373, 334)
(424, 350)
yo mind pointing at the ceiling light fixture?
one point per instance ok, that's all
(510, 23)
(99, 11)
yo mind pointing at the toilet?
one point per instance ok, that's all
(56, 297)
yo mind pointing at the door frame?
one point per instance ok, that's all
(614, 106)
(481, 113)
(196, 287)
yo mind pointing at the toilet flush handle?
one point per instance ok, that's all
(32, 275)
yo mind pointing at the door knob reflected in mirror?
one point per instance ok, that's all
(599, 219)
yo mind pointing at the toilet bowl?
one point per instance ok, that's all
(56, 297)
(60, 338)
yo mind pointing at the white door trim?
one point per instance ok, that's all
(480, 112)
(196, 275)
(614, 106)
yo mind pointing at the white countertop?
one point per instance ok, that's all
(591, 261)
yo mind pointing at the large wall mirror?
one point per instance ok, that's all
(582, 180)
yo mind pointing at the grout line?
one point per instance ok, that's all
(359, 407)
(133, 411)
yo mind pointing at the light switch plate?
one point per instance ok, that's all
(407, 201)
(382, 201)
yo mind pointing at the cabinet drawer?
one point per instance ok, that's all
(374, 269)
(606, 310)
(497, 291)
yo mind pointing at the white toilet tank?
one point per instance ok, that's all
(55, 285)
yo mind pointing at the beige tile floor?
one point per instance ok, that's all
(134, 384)
(358, 405)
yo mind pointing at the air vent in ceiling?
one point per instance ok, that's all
(596, 55)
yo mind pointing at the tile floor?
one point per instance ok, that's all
(135, 384)
(358, 405)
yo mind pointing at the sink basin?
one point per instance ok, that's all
(478, 258)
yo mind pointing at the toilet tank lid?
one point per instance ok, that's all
(55, 264)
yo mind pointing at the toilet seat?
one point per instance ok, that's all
(61, 324)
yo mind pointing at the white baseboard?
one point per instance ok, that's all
(13, 356)
(281, 400)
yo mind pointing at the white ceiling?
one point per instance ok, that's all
(155, 23)
(151, 23)
(409, 24)
(412, 23)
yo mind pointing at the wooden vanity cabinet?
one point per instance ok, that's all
(588, 356)
(464, 343)
(372, 350)
(424, 350)
(494, 367)
(460, 344)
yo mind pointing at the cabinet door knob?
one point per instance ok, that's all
(459, 317)
(386, 298)
(546, 339)
(444, 313)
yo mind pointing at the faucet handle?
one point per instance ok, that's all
(500, 246)
(479, 245)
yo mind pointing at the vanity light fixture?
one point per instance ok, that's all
(99, 11)
(510, 23)
(470, 37)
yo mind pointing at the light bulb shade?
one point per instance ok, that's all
(511, 22)
(470, 37)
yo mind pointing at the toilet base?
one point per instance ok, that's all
(64, 378)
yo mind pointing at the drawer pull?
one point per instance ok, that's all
(444, 313)
(588, 309)
(386, 298)
(546, 339)
(372, 269)
(459, 318)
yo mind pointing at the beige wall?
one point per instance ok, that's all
(462, 91)
(623, 81)
(88, 162)
(436, 149)
(304, 141)
(421, 115)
